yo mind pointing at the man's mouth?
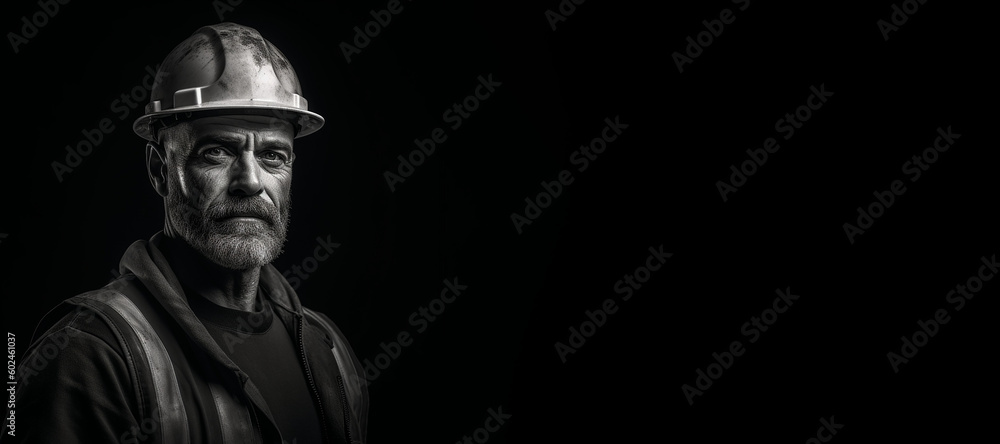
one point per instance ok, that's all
(243, 217)
(242, 212)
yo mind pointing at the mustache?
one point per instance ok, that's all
(252, 207)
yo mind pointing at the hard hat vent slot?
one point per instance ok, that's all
(187, 97)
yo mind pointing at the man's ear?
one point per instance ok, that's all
(156, 166)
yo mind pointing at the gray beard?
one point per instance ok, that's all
(231, 244)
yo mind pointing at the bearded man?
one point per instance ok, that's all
(201, 339)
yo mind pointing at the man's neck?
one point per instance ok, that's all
(236, 289)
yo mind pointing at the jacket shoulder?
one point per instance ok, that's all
(97, 321)
(92, 312)
(79, 380)
(106, 327)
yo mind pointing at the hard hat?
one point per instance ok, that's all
(226, 69)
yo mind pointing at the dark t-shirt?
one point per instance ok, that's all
(260, 345)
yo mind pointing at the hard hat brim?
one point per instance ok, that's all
(305, 122)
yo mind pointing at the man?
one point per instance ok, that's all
(201, 339)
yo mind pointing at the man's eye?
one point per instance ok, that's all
(272, 158)
(214, 153)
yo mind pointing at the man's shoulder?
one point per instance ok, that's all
(95, 313)
(80, 332)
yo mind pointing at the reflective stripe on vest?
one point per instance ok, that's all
(234, 418)
(173, 425)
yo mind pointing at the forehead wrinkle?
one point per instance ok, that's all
(240, 136)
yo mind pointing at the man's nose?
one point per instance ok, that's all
(245, 175)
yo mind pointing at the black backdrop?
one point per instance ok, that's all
(655, 185)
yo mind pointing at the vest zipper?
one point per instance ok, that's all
(312, 383)
(343, 402)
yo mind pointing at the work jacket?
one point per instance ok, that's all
(131, 363)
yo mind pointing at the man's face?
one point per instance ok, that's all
(229, 187)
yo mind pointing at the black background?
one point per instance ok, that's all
(654, 185)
